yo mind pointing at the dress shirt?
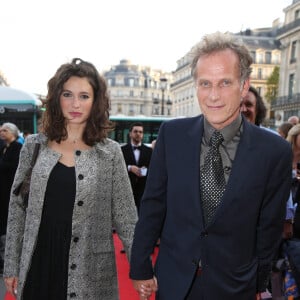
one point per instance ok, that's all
(231, 135)
(136, 152)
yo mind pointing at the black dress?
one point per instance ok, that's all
(48, 275)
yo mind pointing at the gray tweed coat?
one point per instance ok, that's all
(102, 184)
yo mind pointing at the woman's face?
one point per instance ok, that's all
(76, 100)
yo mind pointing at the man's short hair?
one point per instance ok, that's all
(136, 124)
(219, 41)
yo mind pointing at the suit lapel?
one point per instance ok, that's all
(192, 154)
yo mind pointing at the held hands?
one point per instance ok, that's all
(145, 288)
(11, 284)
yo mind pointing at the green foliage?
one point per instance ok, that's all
(272, 85)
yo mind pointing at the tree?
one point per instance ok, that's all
(272, 85)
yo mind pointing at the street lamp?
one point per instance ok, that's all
(163, 86)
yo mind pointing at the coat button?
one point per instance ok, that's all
(75, 239)
(73, 267)
(77, 152)
(73, 295)
(80, 203)
(80, 176)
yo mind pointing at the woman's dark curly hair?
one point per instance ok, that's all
(98, 123)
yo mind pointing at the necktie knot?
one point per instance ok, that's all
(216, 139)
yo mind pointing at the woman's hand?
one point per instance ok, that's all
(145, 288)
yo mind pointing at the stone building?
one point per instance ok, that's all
(288, 101)
(138, 90)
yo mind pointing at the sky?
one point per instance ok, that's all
(37, 36)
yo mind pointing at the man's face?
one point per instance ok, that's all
(248, 107)
(219, 89)
(136, 134)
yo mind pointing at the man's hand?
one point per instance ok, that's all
(288, 230)
(11, 284)
(135, 170)
(145, 288)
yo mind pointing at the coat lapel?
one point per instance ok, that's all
(192, 154)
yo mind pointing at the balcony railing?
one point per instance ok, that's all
(288, 27)
(286, 101)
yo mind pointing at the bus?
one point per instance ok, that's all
(19, 107)
(122, 124)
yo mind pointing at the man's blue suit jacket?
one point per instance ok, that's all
(241, 239)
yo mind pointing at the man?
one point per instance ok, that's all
(293, 120)
(253, 107)
(137, 158)
(217, 247)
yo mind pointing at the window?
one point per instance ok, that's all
(268, 57)
(291, 85)
(142, 109)
(119, 81)
(276, 58)
(119, 109)
(259, 73)
(131, 109)
(131, 82)
(260, 58)
(297, 14)
(293, 52)
(131, 93)
(253, 55)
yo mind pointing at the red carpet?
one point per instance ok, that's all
(127, 292)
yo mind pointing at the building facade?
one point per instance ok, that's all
(138, 90)
(288, 101)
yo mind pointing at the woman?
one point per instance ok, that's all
(79, 191)
(9, 159)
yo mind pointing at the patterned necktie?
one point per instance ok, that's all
(212, 178)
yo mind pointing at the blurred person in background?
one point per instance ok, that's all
(293, 120)
(9, 159)
(283, 129)
(294, 139)
(60, 245)
(253, 107)
(137, 158)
